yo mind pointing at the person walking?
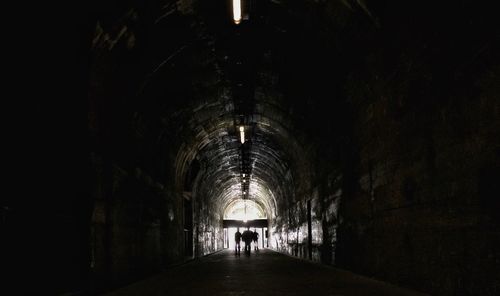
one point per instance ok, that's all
(255, 237)
(237, 239)
(247, 238)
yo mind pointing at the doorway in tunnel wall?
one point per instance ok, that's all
(229, 242)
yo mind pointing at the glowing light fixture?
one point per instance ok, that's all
(237, 11)
(244, 175)
(242, 135)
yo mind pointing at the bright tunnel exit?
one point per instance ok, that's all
(243, 214)
(244, 210)
(230, 243)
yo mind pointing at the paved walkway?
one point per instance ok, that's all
(263, 273)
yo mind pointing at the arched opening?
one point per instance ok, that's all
(244, 210)
(242, 214)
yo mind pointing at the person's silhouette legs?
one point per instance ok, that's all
(237, 249)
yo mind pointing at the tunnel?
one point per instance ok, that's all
(360, 139)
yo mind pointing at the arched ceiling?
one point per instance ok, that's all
(244, 210)
(274, 153)
(231, 71)
(204, 74)
(199, 74)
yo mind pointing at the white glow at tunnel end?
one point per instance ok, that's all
(244, 210)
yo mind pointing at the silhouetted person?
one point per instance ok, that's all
(255, 237)
(237, 239)
(247, 237)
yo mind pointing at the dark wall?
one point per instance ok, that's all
(411, 156)
(147, 61)
(45, 208)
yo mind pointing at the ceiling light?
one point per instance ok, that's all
(237, 11)
(242, 135)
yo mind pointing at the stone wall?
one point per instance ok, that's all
(419, 216)
(404, 128)
(380, 117)
(137, 226)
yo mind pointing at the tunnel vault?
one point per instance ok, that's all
(350, 116)
(188, 109)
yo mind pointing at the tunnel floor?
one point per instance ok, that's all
(264, 272)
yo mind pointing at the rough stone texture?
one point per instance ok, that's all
(418, 203)
(413, 209)
(381, 117)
